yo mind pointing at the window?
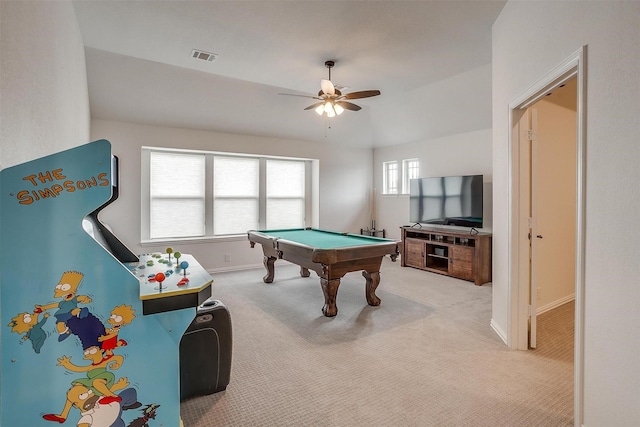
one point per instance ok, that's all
(285, 194)
(236, 195)
(390, 177)
(410, 170)
(176, 195)
(206, 194)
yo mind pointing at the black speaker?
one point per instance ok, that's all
(205, 351)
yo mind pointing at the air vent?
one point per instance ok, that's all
(205, 56)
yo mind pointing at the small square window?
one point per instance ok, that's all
(390, 178)
(410, 170)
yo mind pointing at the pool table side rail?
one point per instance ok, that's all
(263, 239)
(326, 256)
(292, 234)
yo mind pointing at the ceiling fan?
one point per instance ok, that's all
(332, 101)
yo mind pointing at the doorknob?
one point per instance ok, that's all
(539, 236)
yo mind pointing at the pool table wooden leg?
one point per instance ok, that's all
(330, 290)
(373, 280)
(269, 261)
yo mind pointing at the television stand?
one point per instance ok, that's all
(459, 254)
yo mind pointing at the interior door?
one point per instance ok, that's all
(534, 237)
(523, 133)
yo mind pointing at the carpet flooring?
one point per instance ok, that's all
(425, 357)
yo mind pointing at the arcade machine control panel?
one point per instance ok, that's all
(171, 281)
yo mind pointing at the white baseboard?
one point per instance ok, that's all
(246, 267)
(498, 330)
(234, 268)
(554, 304)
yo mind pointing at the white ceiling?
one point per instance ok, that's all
(424, 56)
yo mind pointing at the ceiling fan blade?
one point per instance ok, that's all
(302, 96)
(361, 94)
(327, 87)
(314, 106)
(348, 105)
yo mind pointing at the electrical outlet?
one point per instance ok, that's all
(227, 258)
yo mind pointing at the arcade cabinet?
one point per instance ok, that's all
(78, 342)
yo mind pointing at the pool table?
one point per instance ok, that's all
(330, 254)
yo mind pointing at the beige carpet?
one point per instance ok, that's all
(425, 357)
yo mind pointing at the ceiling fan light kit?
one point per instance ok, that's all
(332, 101)
(330, 108)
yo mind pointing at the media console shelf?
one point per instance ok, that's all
(453, 253)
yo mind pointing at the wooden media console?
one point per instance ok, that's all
(453, 253)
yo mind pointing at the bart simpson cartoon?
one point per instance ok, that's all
(68, 307)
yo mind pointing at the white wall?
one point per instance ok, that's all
(529, 40)
(44, 103)
(460, 154)
(456, 104)
(345, 176)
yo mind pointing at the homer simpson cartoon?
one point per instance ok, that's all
(92, 412)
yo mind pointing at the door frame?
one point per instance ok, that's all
(518, 311)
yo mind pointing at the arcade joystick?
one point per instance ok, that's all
(177, 255)
(184, 265)
(160, 278)
(169, 251)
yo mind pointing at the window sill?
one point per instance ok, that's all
(195, 240)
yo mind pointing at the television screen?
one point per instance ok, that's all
(447, 200)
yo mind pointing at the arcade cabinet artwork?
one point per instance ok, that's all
(78, 344)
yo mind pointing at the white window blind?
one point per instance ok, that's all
(176, 186)
(188, 194)
(236, 192)
(285, 194)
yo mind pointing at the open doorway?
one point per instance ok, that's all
(523, 227)
(551, 152)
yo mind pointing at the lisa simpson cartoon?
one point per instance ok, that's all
(121, 316)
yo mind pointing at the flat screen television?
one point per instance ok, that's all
(446, 200)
